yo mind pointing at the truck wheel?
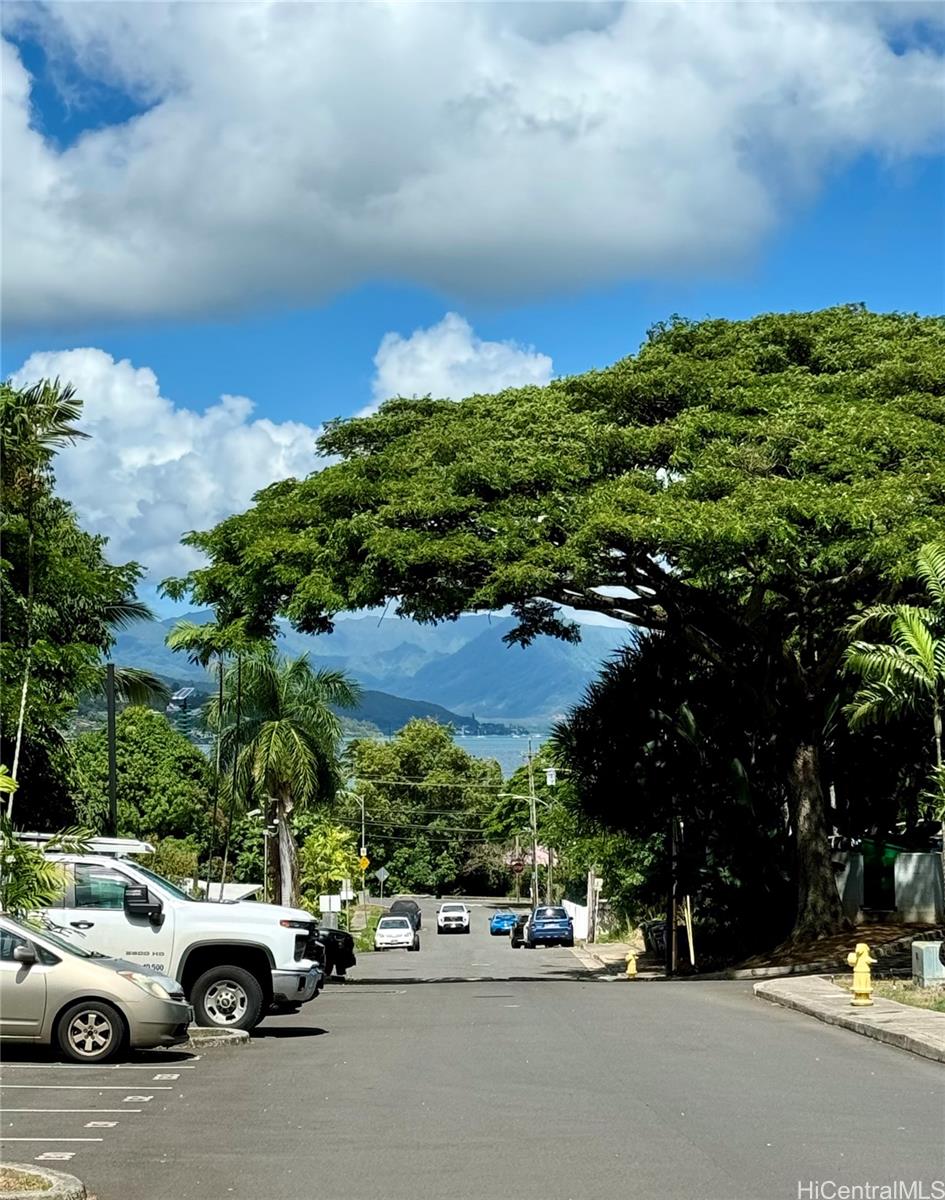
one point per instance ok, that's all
(229, 997)
(90, 1032)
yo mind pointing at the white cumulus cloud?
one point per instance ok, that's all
(287, 151)
(150, 470)
(448, 361)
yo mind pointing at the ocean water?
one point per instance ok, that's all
(509, 752)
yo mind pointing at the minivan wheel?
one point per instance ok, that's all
(228, 997)
(91, 1031)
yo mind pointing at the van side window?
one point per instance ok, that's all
(99, 887)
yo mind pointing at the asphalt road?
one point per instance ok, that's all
(471, 1071)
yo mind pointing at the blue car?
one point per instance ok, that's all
(549, 925)
(501, 922)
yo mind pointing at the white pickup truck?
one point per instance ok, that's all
(234, 960)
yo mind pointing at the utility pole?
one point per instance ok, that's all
(112, 756)
(592, 903)
(549, 891)
(533, 812)
(518, 879)
(363, 855)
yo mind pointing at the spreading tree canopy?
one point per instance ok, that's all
(742, 487)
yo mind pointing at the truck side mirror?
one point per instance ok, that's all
(140, 903)
(25, 955)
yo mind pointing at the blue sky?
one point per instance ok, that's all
(255, 221)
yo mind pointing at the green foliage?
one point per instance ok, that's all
(280, 742)
(175, 858)
(906, 674)
(425, 800)
(329, 854)
(62, 601)
(750, 484)
(164, 782)
(28, 879)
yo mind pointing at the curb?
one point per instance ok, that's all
(879, 1025)
(199, 1036)
(63, 1187)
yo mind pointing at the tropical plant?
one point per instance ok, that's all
(328, 855)
(281, 740)
(28, 878)
(62, 601)
(35, 422)
(742, 486)
(424, 800)
(905, 676)
(164, 782)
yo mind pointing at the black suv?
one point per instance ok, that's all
(407, 908)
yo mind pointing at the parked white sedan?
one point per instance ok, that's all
(452, 918)
(396, 933)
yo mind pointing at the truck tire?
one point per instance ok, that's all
(227, 997)
(90, 1032)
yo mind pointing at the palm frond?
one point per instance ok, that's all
(930, 568)
(119, 614)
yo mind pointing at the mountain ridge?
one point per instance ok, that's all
(462, 666)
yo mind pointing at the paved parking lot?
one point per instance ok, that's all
(64, 1113)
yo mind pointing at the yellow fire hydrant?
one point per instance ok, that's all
(861, 960)
(631, 965)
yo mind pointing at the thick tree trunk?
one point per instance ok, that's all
(818, 901)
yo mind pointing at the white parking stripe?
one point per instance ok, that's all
(56, 1156)
(9, 1139)
(91, 1066)
(138, 1099)
(80, 1087)
(73, 1110)
(100, 1124)
(171, 1076)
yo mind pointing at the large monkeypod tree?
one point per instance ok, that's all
(743, 487)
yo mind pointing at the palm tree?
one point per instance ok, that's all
(35, 423)
(284, 742)
(905, 675)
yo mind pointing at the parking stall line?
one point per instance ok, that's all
(71, 1110)
(77, 1087)
(100, 1124)
(92, 1067)
(50, 1139)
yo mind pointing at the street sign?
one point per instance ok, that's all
(364, 862)
(381, 874)
(329, 903)
(551, 776)
(517, 866)
(347, 891)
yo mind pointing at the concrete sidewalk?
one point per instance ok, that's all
(916, 1029)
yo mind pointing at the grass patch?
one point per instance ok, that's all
(364, 938)
(22, 1181)
(906, 992)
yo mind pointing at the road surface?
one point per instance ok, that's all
(471, 1071)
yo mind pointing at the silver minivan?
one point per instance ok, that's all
(91, 1007)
